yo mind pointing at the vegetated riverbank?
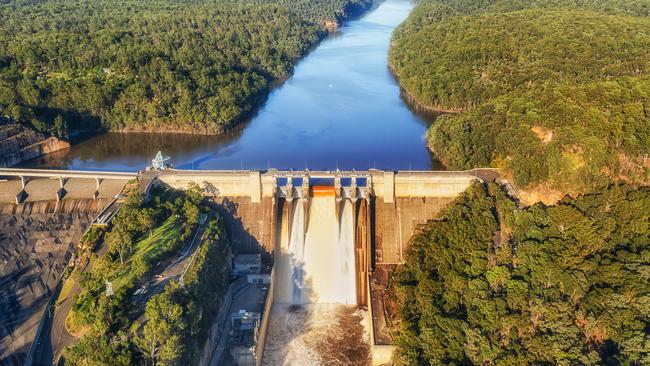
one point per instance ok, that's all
(339, 12)
(554, 126)
(200, 68)
(491, 283)
(419, 104)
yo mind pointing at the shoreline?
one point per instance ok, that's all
(415, 102)
(351, 11)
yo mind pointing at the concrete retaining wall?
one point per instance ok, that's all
(381, 354)
(249, 224)
(225, 183)
(396, 222)
(261, 341)
(217, 343)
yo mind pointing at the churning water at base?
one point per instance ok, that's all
(317, 334)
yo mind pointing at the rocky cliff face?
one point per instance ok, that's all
(37, 239)
(351, 9)
(19, 143)
(331, 25)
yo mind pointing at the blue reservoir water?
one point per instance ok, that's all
(341, 109)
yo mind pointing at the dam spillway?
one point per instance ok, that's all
(314, 233)
(315, 319)
(315, 261)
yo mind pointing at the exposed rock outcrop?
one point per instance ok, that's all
(19, 143)
(352, 9)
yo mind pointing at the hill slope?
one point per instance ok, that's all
(490, 284)
(556, 93)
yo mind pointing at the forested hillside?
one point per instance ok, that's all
(555, 92)
(119, 324)
(323, 11)
(156, 65)
(490, 284)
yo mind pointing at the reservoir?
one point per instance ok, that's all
(341, 109)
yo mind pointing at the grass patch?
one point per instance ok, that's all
(150, 249)
(68, 284)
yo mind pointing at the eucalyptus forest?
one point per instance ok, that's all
(492, 284)
(554, 92)
(196, 67)
(557, 94)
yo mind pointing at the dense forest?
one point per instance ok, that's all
(555, 92)
(491, 284)
(323, 11)
(197, 66)
(119, 325)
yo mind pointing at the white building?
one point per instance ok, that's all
(245, 264)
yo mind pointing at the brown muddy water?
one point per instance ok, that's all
(317, 334)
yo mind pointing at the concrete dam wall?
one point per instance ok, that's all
(334, 238)
(395, 202)
(318, 226)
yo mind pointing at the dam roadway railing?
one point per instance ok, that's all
(52, 173)
(20, 191)
(387, 185)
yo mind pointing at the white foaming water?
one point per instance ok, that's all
(315, 320)
(317, 266)
(317, 335)
(297, 255)
(346, 254)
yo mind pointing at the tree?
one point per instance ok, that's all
(147, 219)
(162, 340)
(99, 351)
(60, 127)
(120, 242)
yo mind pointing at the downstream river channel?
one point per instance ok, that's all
(341, 108)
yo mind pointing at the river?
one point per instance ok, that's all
(341, 109)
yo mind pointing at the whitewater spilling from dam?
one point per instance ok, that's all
(317, 263)
(317, 335)
(315, 319)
